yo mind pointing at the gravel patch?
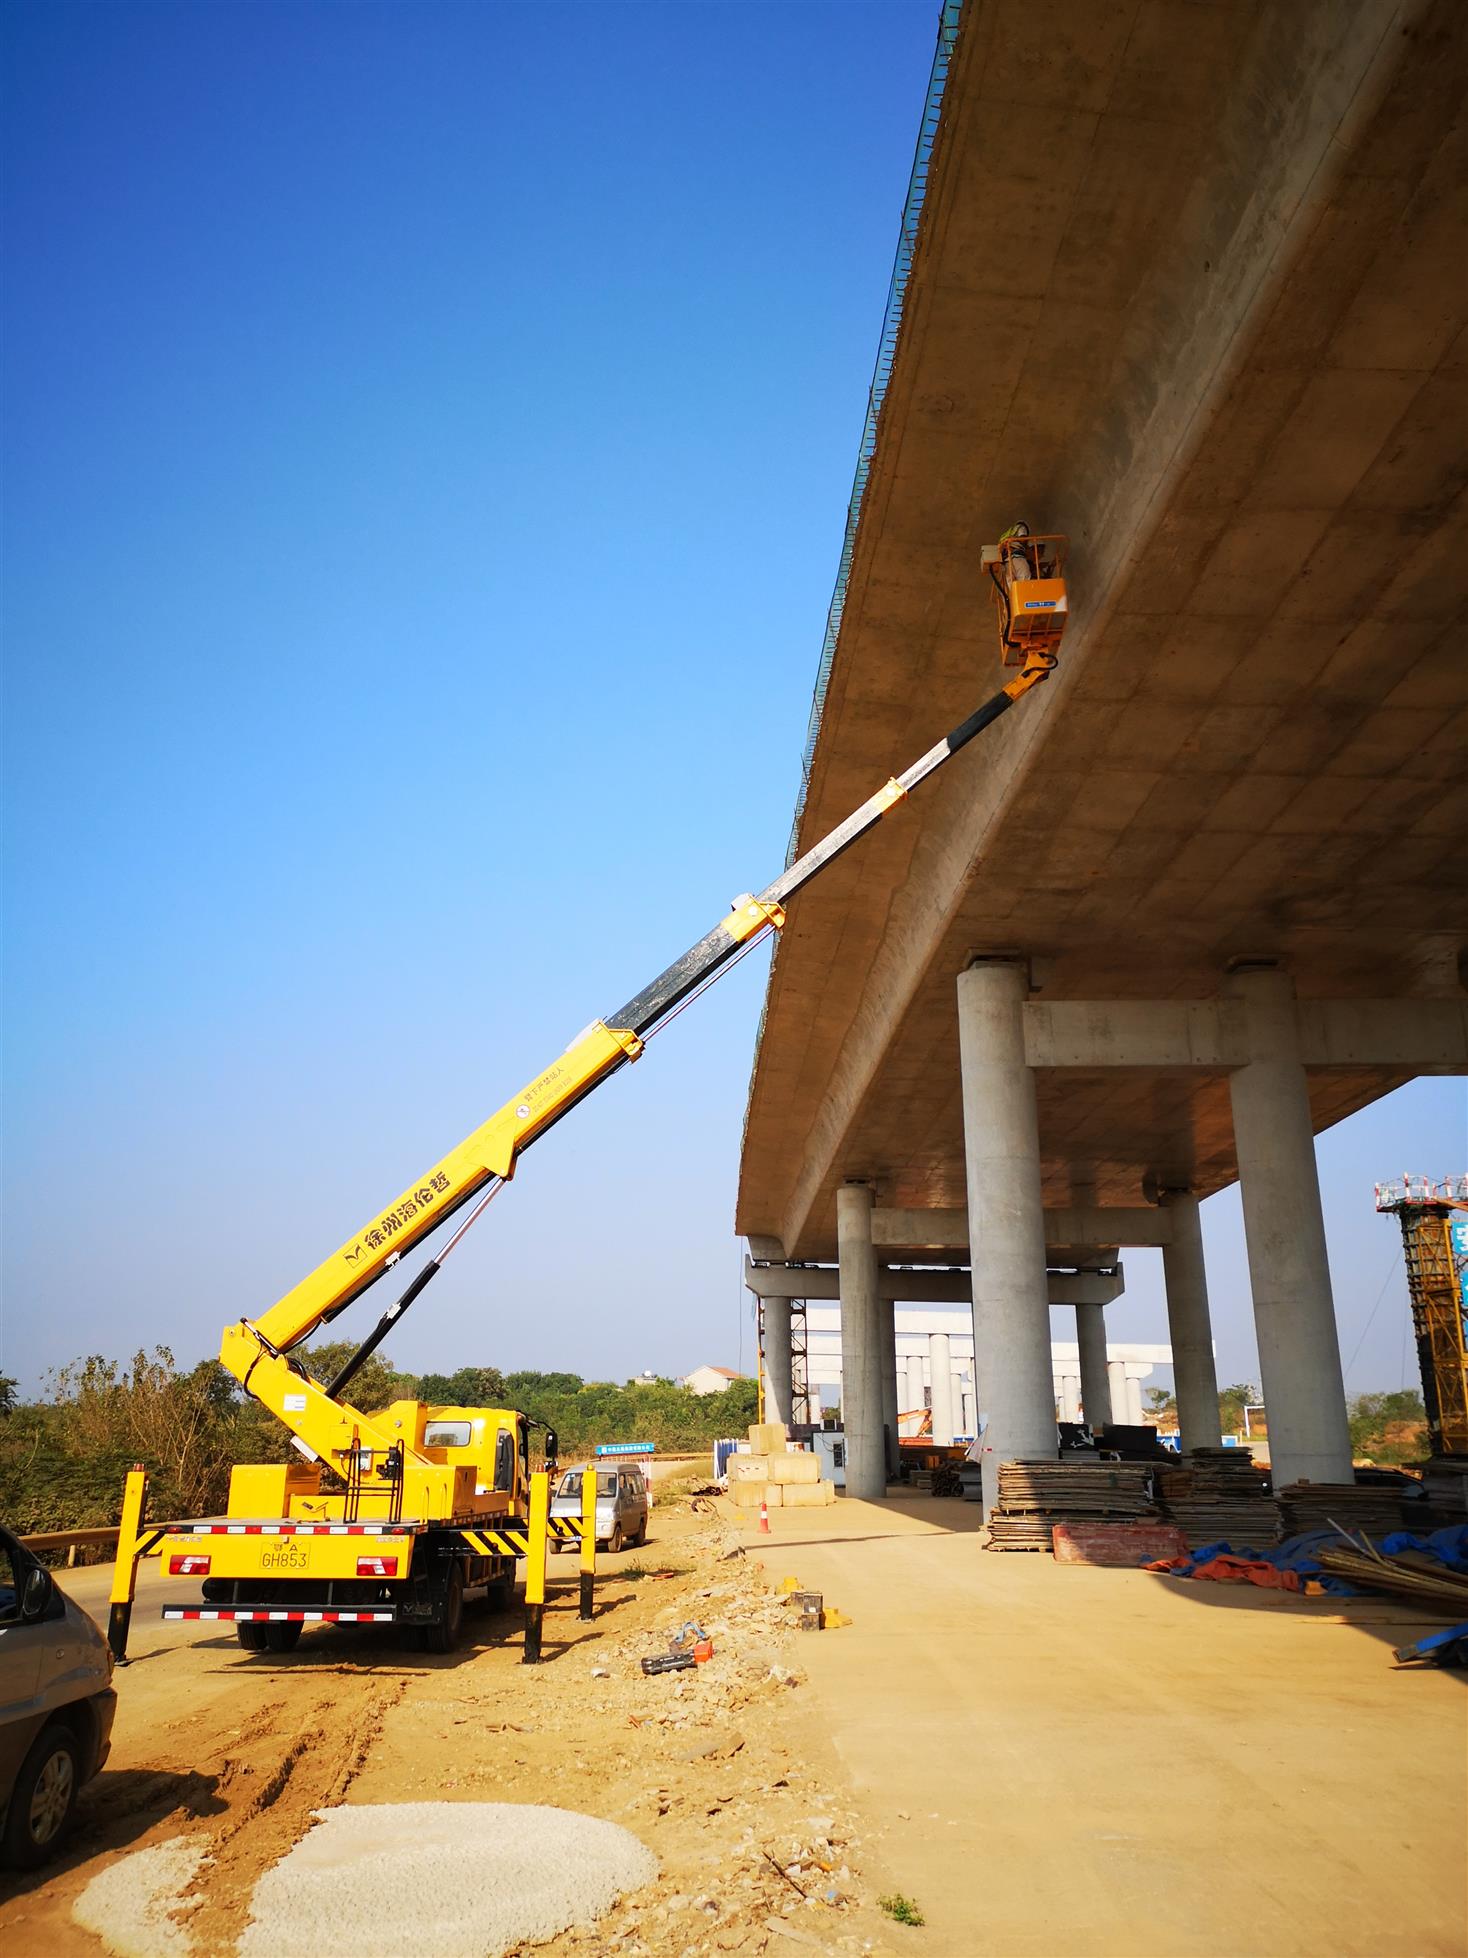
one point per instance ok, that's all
(458, 1879)
(128, 1905)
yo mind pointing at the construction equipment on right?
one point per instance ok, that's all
(1435, 1246)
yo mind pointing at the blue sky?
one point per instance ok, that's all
(427, 437)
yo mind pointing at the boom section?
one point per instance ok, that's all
(255, 1352)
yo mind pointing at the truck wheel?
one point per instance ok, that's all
(445, 1634)
(251, 1636)
(284, 1637)
(500, 1595)
(42, 1799)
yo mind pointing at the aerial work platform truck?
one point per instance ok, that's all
(399, 1516)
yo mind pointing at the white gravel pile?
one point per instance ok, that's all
(457, 1879)
(129, 1902)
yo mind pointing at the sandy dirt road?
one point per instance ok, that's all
(722, 1773)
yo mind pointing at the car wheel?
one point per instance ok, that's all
(250, 1635)
(614, 1541)
(445, 1635)
(283, 1637)
(42, 1799)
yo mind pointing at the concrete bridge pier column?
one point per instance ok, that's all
(1294, 1311)
(940, 1359)
(1006, 1219)
(1116, 1388)
(779, 1385)
(1189, 1327)
(1070, 1398)
(1095, 1379)
(887, 1342)
(861, 1368)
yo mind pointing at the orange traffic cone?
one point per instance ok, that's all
(764, 1517)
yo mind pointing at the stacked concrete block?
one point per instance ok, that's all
(775, 1474)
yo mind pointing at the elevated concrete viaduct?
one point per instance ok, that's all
(1187, 284)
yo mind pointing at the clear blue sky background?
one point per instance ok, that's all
(428, 431)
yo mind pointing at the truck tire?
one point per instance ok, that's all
(251, 1636)
(283, 1637)
(500, 1596)
(42, 1799)
(445, 1633)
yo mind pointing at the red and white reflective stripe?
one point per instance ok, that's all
(281, 1617)
(289, 1529)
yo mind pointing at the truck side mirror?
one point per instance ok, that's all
(35, 1593)
(552, 1447)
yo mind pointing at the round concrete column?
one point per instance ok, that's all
(887, 1338)
(1116, 1389)
(1189, 1327)
(1095, 1378)
(1294, 1312)
(968, 1421)
(940, 1359)
(1133, 1401)
(779, 1391)
(1006, 1221)
(1070, 1398)
(861, 1372)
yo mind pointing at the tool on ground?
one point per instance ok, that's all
(1449, 1648)
(401, 1515)
(811, 1606)
(669, 1662)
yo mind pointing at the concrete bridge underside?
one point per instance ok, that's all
(1188, 287)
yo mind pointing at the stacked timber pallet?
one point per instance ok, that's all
(775, 1474)
(1375, 1508)
(1216, 1495)
(1035, 1496)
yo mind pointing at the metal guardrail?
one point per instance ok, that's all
(71, 1541)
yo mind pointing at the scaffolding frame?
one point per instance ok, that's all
(1436, 1289)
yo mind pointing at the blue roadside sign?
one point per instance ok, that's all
(626, 1448)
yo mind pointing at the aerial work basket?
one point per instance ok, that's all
(1028, 575)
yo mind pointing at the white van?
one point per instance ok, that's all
(621, 1504)
(56, 1706)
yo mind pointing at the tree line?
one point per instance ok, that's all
(1387, 1428)
(64, 1456)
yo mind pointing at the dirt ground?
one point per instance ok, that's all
(723, 1772)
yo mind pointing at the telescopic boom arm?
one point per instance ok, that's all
(256, 1352)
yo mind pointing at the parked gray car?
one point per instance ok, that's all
(56, 1706)
(621, 1505)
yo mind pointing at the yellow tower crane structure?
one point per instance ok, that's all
(1435, 1245)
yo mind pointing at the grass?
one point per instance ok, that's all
(902, 1910)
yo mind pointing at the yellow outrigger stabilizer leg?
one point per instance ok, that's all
(125, 1569)
(535, 1549)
